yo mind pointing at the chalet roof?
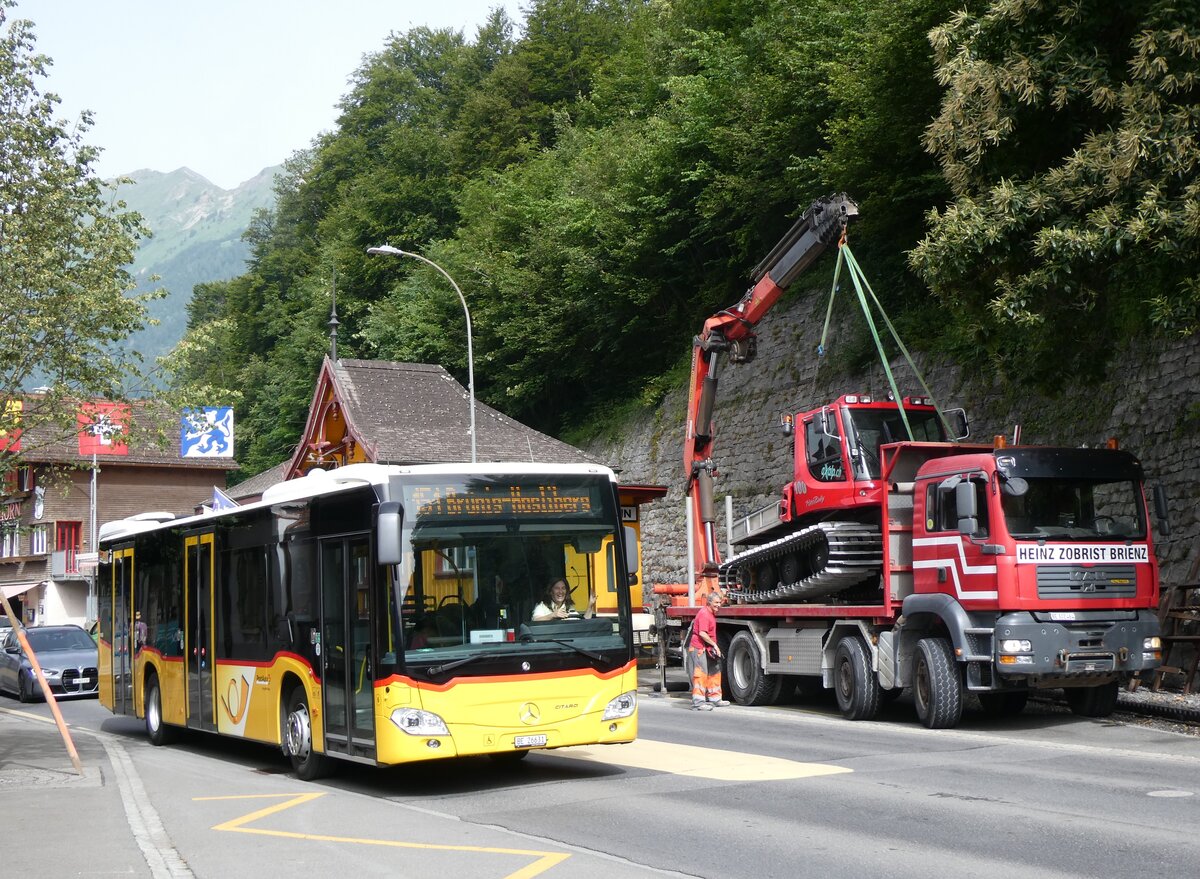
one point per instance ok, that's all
(251, 489)
(415, 413)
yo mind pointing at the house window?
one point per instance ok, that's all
(66, 538)
(9, 541)
(25, 478)
(37, 540)
(67, 535)
(455, 561)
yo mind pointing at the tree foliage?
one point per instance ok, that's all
(603, 180)
(65, 243)
(1068, 134)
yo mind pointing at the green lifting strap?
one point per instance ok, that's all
(861, 284)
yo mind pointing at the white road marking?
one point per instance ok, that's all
(712, 763)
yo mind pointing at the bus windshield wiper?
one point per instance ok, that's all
(597, 657)
(456, 663)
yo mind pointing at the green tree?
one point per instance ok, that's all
(1067, 134)
(65, 304)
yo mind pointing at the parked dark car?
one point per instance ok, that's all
(67, 655)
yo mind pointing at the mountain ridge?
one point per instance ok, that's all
(197, 229)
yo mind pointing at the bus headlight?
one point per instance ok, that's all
(416, 722)
(1013, 645)
(622, 706)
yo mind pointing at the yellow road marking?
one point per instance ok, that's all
(544, 860)
(711, 763)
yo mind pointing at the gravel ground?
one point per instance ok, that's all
(1162, 710)
(1165, 710)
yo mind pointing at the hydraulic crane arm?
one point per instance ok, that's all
(731, 331)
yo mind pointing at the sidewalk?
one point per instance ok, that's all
(58, 822)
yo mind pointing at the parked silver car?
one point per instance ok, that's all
(67, 655)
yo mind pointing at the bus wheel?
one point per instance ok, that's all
(157, 731)
(937, 685)
(856, 686)
(297, 739)
(748, 683)
(1098, 701)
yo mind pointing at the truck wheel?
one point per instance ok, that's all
(747, 682)
(1098, 701)
(937, 685)
(856, 685)
(1003, 704)
(297, 739)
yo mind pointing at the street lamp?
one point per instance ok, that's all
(388, 250)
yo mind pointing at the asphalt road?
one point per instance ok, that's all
(789, 791)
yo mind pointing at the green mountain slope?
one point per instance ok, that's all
(197, 229)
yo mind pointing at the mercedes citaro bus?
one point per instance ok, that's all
(378, 614)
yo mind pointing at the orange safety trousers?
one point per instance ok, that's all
(706, 676)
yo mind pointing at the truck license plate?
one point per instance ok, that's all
(529, 741)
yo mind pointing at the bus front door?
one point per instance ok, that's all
(346, 676)
(198, 630)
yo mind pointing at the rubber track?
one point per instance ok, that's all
(855, 555)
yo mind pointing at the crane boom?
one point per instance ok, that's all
(731, 332)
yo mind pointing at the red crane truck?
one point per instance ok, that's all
(900, 557)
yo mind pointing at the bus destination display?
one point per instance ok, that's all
(541, 499)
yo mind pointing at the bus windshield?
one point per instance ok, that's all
(1073, 509)
(497, 569)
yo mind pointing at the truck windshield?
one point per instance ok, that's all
(1074, 509)
(481, 558)
(868, 429)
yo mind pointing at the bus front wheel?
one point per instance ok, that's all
(298, 741)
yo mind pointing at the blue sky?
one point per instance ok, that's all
(224, 87)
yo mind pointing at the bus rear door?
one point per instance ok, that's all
(198, 630)
(115, 613)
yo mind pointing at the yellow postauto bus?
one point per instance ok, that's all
(378, 614)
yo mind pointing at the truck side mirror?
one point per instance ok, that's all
(1160, 510)
(825, 423)
(968, 508)
(957, 424)
(388, 519)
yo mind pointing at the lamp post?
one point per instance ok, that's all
(388, 250)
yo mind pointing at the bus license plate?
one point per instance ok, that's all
(529, 741)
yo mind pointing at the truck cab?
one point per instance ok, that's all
(1047, 553)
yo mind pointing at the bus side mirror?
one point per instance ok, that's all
(1160, 510)
(388, 519)
(631, 553)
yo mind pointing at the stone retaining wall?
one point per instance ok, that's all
(1150, 402)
